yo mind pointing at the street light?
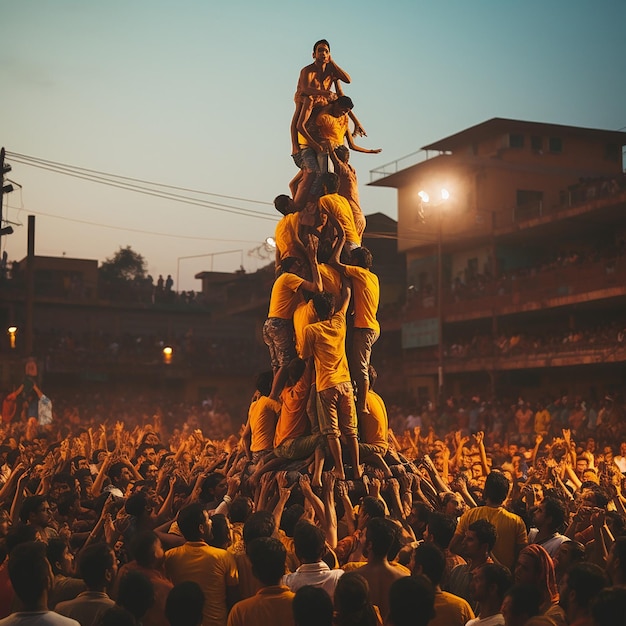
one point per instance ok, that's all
(167, 355)
(444, 196)
(11, 330)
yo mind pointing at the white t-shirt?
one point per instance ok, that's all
(492, 620)
(37, 618)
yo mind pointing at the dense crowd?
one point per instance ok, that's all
(149, 521)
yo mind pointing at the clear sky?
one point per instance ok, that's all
(199, 94)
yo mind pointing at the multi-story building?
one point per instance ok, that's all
(515, 241)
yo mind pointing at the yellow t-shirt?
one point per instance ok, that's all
(302, 317)
(262, 416)
(332, 128)
(366, 290)
(450, 610)
(331, 280)
(339, 207)
(374, 425)
(285, 296)
(293, 421)
(268, 607)
(212, 568)
(286, 237)
(509, 527)
(326, 342)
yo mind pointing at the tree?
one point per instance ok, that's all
(125, 266)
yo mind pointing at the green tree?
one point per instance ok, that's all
(124, 266)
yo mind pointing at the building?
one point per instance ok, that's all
(516, 272)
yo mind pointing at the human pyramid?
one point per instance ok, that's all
(321, 324)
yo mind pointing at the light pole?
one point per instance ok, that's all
(425, 198)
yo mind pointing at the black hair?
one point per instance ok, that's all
(352, 601)
(295, 369)
(556, 510)
(320, 42)
(312, 606)
(283, 204)
(135, 593)
(381, 533)
(220, 531)
(609, 607)
(291, 516)
(361, 257)
(29, 572)
(442, 527)
(267, 556)
(240, 509)
(137, 504)
(411, 601)
(324, 304)
(190, 518)
(344, 102)
(498, 575)
(309, 542)
(486, 532)
(330, 182)
(54, 552)
(587, 580)
(31, 505)
(432, 561)
(372, 507)
(496, 488)
(263, 383)
(184, 604)
(259, 524)
(94, 562)
(117, 616)
(525, 600)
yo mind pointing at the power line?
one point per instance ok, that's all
(135, 230)
(138, 180)
(68, 171)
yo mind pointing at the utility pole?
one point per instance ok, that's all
(5, 168)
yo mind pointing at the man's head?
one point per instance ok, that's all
(609, 607)
(36, 511)
(479, 539)
(329, 182)
(135, 594)
(321, 51)
(60, 557)
(284, 204)
(429, 560)
(440, 529)
(97, 566)
(120, 475)
(324, 305)
(497, 487)
(309, 542)
(214, 487)
(184, 604)
(341, 106)
(550, 514)
(490, 582)
(312, 606)
(361, 257)
(411, 601)
(520, 603)
(147, 550)
(259, 524)
(567, 555)
(380, 535)
(370, 508)
(579, 587)
(194, 522)
(30, 573)
(263, 383)
(267, 556)
(342, 153)
(241, 509)
(295, 370)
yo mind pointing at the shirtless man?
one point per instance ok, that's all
(314, 89)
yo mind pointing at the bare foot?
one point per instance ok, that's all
(339, 474)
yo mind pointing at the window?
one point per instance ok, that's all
(516, 140)
(556, 145)
(536, 143)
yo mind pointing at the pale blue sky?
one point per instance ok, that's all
(199, 94)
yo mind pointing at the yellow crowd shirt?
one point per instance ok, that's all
(262, 416)
(293, 421)
(212, 568)
(270, 606)
(374, 424)
(339, 207)
(326, 342)
(509, 527)
(366, 290)
(285, 296)
(302, 317)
